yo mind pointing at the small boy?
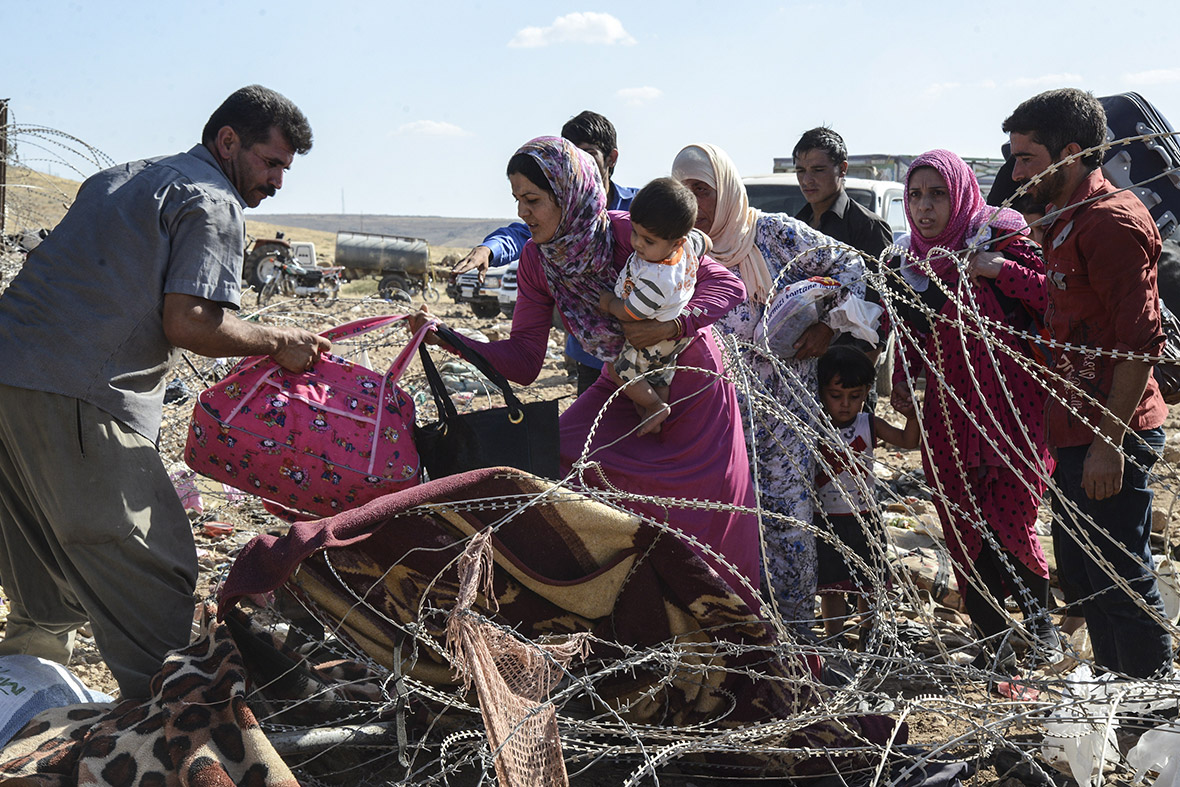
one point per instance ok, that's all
(655, 284)
(844, 479)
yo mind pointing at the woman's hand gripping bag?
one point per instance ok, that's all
(320, 441)
(795, 309)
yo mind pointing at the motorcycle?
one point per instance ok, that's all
(292, 280)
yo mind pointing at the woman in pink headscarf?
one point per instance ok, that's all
(577, 249)
(984, 450)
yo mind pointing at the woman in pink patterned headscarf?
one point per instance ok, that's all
(577, 249)
(984, 450)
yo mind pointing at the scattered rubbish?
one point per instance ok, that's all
(1169, 586)
(1158, 750)
(217, 529)
(460, 377)
(176, 392)
(1015, 689)
(234, 495)
(911, 483)
(30, 685)
(185, 481)
(1080, 737)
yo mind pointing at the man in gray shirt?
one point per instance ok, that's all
(146, 263)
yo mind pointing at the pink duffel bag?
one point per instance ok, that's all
(321, 441)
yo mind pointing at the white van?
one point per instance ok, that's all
(781, 194)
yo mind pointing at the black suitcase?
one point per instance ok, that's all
(1150, 167)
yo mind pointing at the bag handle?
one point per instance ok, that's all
(363, 325)
(398, 367)
(468, 353)
(390, 378)
(438, 389)
(353, 328)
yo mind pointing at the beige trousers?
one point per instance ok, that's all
(91, 529)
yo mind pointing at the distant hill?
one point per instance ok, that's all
(36, 200)
(437, 230)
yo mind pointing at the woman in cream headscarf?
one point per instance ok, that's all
(770, 251)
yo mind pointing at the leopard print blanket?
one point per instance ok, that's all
(195, 730)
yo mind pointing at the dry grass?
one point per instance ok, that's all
(36, 200)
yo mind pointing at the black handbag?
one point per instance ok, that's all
(524, 436)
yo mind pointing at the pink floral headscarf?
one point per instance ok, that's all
(969, 210)
(578, 261)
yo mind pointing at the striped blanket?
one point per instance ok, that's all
(385, 577)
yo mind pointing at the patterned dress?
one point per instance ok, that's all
(780, 436)
(985, 453)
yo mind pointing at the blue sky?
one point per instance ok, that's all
(416, 107)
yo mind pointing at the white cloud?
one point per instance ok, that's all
(432, 128)
(1045, 80)
(938, 88)
(637, 96)
(581, 28)
(1159, 76)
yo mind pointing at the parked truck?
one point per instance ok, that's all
(487, 298)
(893, 167)
(403, 263)
(264, 254)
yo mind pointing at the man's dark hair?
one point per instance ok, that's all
(666, 208)
(252, 111)
(524, 164)
(825, 139)
(852, 366)
(591, 128)
(1028, 205)
(1056, 118)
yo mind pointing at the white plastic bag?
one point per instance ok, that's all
(1079, 735)
(29, 685)
(1074, 743)
(1168, 579)
(1158, 750)
(858, 318)
(795, 309)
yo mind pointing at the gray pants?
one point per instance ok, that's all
(91, 529)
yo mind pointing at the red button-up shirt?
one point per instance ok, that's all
(1101, 259)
